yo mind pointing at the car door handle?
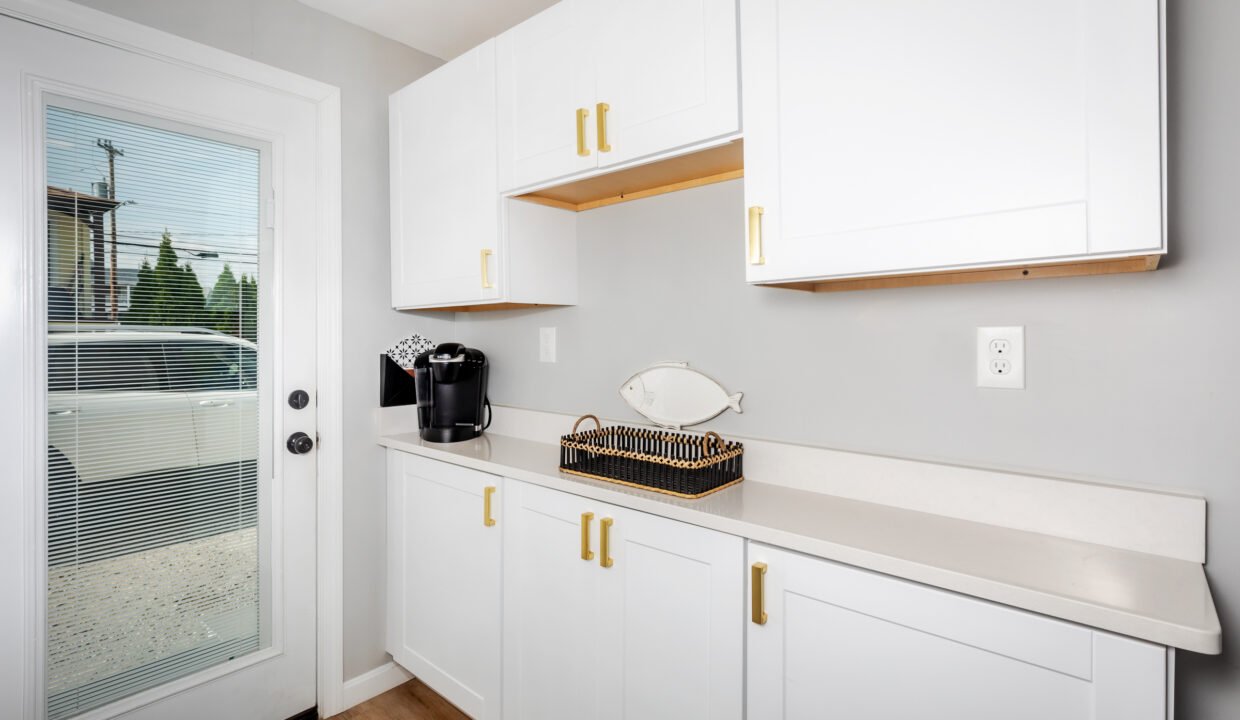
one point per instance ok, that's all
(215, 403)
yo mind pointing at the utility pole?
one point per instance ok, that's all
(112, 152)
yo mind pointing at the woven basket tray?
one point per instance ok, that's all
(677, 464)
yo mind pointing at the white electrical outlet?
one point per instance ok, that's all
(546, 344)
(1001, 357)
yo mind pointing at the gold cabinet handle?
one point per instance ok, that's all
(755, 236)
(757, 579)
(487, 493)
(604, 543)
(586, 552)
(601, 118)
(486, 278)
(582, 114)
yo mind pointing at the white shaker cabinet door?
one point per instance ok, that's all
(848, 643)
(909, 136)
(444, 574)
(546, 96)
(551, 604)
(667, 75)
(444, 197)
(672, 640)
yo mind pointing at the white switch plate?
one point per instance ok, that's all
(546, 344)
(1001, 357)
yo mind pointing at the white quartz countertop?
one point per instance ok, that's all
(1155, 598)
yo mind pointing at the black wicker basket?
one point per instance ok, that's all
(677, 464)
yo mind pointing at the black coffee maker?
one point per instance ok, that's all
(451, 391)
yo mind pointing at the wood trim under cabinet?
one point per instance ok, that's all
(712, 165)
(1107, 266)
(484, 306)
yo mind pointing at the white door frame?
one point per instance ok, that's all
(21, 611)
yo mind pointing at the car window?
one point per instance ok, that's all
(93, 366)
(198, 365)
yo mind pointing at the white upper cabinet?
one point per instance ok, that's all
(588, 84)
(455, 242)
(546, 81)
(910, 136)
(445, 200)
(832, 641)
(667, 76)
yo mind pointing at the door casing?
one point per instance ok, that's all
(22, 504)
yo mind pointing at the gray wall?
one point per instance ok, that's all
(1127, 380)
(367, 68)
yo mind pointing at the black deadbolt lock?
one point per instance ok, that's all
(298, 399)
(299, 443)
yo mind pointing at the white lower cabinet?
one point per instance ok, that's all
(839, 642)
(598, 612)
(613, 613)
(444, 573)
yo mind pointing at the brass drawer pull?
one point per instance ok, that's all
(604, 543)
(757, 592)
(756, 256)
(582, 114)
(586, 552)
(487, 493)
(486, 278)
(601, 118)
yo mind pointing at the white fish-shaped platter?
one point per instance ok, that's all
(673, 395)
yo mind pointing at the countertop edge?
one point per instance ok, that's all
(1205, 639)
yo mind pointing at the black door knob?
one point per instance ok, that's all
(298, 399)
(299, 443)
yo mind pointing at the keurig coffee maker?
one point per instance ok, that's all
(451, 390)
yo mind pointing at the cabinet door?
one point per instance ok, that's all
(668, 70)
(909, 136)
(672, 637)
(844, 642)
(551, 605)
(444, 573)
(445, 202)
(546, 75)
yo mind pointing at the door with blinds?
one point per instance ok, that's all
(178, 252)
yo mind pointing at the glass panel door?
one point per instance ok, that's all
(156, 544)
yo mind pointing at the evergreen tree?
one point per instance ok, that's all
(232, 305)
(167, 293)
(223, 303)
(249, 308)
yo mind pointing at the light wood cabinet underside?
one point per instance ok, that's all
(712, 165)
(1108, 266)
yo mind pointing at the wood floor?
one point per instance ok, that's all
(411, 701)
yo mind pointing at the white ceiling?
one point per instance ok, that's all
(443, 28)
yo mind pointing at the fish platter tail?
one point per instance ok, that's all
(734, 401)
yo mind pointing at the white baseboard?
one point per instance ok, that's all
(359, 689)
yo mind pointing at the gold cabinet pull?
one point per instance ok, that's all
(604, 543)
(582, 114)
(755, 236)
(757, 579)
(586, 552)
(487, 493)
(486, 278)
(601, 118)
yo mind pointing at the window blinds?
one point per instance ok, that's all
(153, 532)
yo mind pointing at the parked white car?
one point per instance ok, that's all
(168, 416)
(127, 402)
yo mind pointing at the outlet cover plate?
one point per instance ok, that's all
(1011, 347)
(546, 344)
